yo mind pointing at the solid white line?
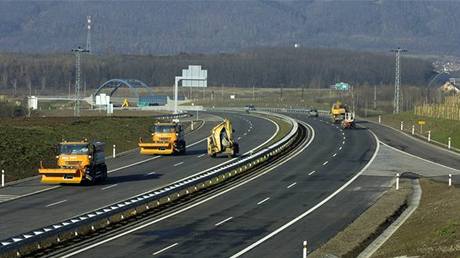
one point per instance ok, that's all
(301, 216)
(55, 203)
(178, 164)
(311, 173)
(335, 154)
(223, 221)
(201, 155)
(110, 186)
(291, 185)
(164, 249)
(325, 162)
(264, 200)
(151, 173)
(83, 249)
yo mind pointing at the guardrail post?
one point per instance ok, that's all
(450, 179)
(397, 181)
(429, 136)
(305, 251)
(191, 126)
(3, 178)
(413, 129)
(449, 142)
(380, 119)
(114, 151)
(402, 125)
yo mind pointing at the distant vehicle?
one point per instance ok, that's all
(313, 113)
(221, 140)
(250, 107)
(349, 121)
(338, 111)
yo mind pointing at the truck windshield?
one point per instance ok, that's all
(73, 149)
(164, 129)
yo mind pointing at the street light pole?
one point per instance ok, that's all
(78, 52)
(396, 102)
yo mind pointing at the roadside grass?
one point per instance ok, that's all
(27, 141)
(433, 230)
(441, 129)
(361, 232)
(284, 128)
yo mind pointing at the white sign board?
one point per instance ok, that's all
(102, 100)
(194, 77)
(32, 102)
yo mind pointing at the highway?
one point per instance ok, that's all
(226, 224)
(54, 205)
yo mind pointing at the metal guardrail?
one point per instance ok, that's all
(91, 221)
(172, 116)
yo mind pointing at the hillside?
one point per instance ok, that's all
(165, 27)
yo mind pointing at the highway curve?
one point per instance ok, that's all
(223, 226)
(55, 205)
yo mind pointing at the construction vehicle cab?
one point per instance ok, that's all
(221, 140)
(349, 121)
(78, 162)
(167, 138)
(338, 111)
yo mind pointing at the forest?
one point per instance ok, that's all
(261, 67)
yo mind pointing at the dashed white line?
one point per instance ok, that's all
(55, 203)
(201, 155)
(264, 200)
(151, 173)
(223, 221)
(108, 187)
(343, 133)
(178, 164)
(344, 137)
(311, 173)
(335, 154)
(291, 185)
(239, 138)
(325, 162)
(343, 142)
(245, 134)
(340, 148)
(164, 249)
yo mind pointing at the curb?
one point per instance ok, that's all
(413, 204)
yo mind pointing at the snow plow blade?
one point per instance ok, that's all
(60, 175)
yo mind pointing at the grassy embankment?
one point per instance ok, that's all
(441, 129)
(433, 230)
(27, 141)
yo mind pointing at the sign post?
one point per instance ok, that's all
(421, 123)
(194, 76)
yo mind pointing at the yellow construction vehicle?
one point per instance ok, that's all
(338, 111)
(221, 140)
(167, 138)
(78, 162)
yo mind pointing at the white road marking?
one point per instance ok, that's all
(223, 221)
(110, 186)
(83, 249)
(325, 162)
(178, 164)
(311, 173)
(344, 137)
(151, 173)
(343, 133)
(239, 138)
(335, 154)
(6, 197)
(245, 134)
(343, 142)
(264, 200)
(291, 185)
(340, 148)
(201, 155)
(301, 216)
(55, 203)
(164, 249)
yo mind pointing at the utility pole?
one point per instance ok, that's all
(396, 102)
(375, 97)
(78, 52)
(88, 34)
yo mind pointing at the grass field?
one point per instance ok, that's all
(441, 129)
(27, 141)
(433, 230)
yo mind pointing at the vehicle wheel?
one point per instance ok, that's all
(103, 173)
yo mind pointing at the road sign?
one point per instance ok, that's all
(421, 122)
(194, 76)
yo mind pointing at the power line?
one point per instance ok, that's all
(397, 94)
